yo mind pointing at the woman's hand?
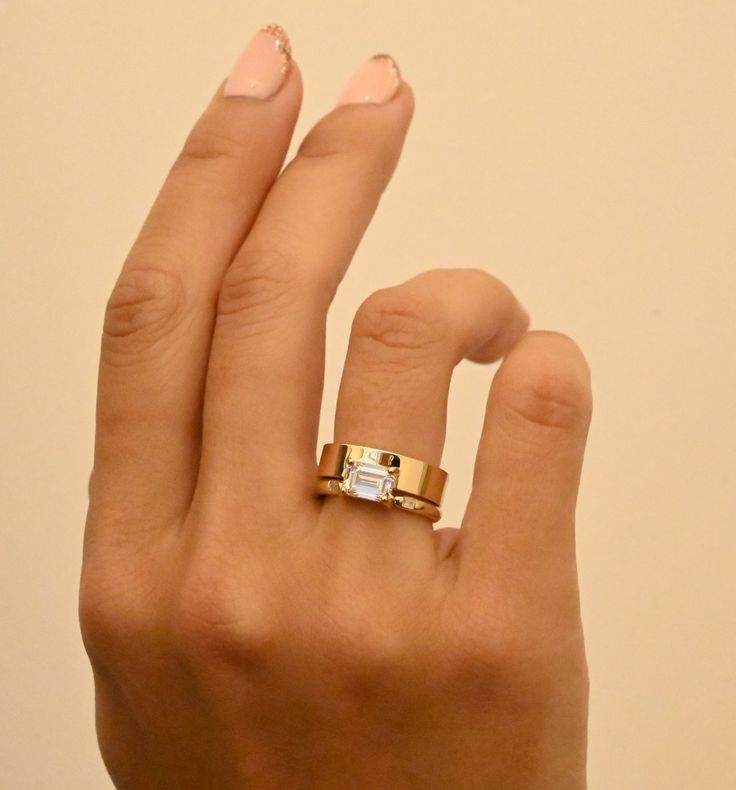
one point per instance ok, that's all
(245, 633)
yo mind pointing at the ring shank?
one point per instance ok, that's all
(330, 486)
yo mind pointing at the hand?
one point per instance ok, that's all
(245, 633)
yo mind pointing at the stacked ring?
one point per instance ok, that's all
(381, 476)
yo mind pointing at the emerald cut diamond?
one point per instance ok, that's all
(367, 479)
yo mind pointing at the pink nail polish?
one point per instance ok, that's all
(263, 66)
(375, 82)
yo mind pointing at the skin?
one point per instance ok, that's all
(246, 634)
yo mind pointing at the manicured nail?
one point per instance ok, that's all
(375, 82)
(263, 66)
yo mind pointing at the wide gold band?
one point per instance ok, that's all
(382, 476)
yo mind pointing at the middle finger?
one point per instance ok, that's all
(266, 366)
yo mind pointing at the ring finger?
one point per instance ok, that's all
(404, 344)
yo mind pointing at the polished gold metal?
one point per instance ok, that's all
(381, 476)
(326, 486)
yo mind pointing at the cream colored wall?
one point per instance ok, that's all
(585, 152)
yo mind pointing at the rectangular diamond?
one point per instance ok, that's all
(369, 481)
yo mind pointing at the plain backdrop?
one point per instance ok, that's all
(583, 151)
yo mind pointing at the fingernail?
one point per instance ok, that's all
(375, 82)
(263, 66)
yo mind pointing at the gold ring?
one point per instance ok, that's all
(381, 476)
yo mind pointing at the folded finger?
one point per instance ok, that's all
(405, 343)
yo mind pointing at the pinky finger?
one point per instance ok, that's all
(517, 542)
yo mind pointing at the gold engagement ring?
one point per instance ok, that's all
(381, 476)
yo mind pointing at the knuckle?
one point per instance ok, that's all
(395, 321)
(211, 623)
(321, 142)
(547, 399)
(210, 143)
(145, 305)
(346, 137)
(489, 654)
(374, 650)
(550, 390)
(367, 652)
(110, 619)
(357, 144)
(514, 643)
(94, 620)
(258, 288)
(476, 645)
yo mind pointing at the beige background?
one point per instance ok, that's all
(585, 152)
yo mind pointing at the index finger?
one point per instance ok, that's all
(159, 318)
